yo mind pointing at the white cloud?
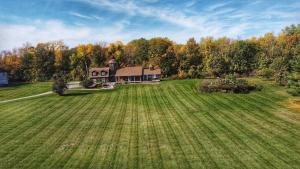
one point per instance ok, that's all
(15, 35)
(221, 20)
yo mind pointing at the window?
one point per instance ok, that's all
(94, 73)
(103, 73)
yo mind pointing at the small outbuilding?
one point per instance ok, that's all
(3, 77)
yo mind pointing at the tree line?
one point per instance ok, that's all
(268, 56)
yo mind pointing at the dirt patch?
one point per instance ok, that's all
(294, 103)
(292, 111)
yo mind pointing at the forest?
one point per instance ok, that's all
(269, 56)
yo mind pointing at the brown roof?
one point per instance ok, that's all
(130, 71)
(152, 71)
(99, 70)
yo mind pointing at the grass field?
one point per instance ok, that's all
(22, 90)
(170, 125)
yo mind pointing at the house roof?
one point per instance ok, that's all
(152, 71)
(99, 70)
(130, 71)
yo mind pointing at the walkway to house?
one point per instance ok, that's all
(27, 97)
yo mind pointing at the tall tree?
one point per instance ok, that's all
(242, 57)
(168, 62)
(27, 64)
(157, 48)
(137, 52)
(44, 62)
(81, 61)
(99, 55)
(117, 51)
(62, 58)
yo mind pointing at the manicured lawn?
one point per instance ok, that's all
(21, 90)
(170, 125)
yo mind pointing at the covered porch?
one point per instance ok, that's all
(129, 79)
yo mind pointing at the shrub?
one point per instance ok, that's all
(87, 83)
(266, 73)
(281, 78)
(229, 84)
(294, 91)
(60, 84)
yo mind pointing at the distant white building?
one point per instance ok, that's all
(3, 77)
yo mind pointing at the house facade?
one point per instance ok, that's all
(3, 77)
(132, 74)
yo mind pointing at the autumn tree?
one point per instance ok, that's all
(99, 55)
(44, 59)
(136, 52)
(157, 48)
(242, 57)
(27, 64)
(216, 55)
(168, 62)
(117, 50)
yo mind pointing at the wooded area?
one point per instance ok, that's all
(268, 56)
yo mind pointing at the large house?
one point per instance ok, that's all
(3, 77)
(133, 74)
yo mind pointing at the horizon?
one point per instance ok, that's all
(91, 21)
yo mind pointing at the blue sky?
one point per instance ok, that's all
(91, 21)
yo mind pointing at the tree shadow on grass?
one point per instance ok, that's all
(76, 94)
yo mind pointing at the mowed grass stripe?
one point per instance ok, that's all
(29, 127)
(114, 131)
(153, 130)
(180, 104)
(263, 141)
(131, 110)
(32, 146)
(277, 122)
(69, 136)
(282, 140)
(133, 147)
(91, 142)
(23, 90)
(170, 125)
(223, 149)
(146, 145)
(124, 142)
(241, 125)
(21, 112)
(43, 145)
(100, 152)
(186, 126)
(100, 131)
(110, 161)
(234, 123)
(13, 109)
(236, 137)
(174, 140)
(79, 134)
(285, 138)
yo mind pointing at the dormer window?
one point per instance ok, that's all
(103, 73)
(94, 73)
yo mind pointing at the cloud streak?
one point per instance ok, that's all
(93, 17)
(129, 19)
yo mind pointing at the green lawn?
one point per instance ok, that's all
(170, 125)
(21, 90)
